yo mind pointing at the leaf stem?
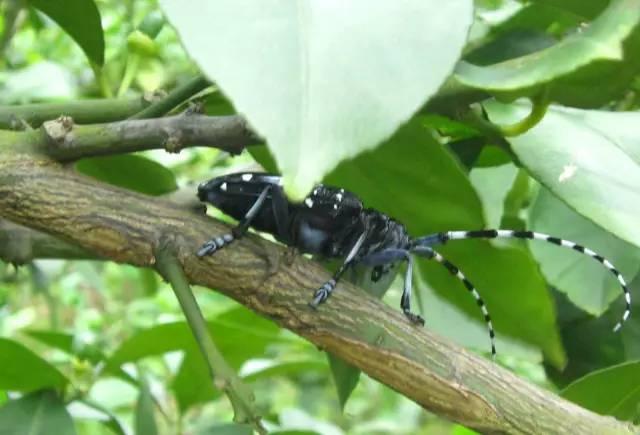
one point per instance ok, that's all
(539, 105)
(223, 376)
(175, 97)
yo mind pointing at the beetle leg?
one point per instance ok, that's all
(387, 256)
(323, 293)
(219, 242)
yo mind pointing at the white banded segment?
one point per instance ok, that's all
(532, 235)
(453, 269)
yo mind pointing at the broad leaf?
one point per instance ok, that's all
(612, 391)
(345, 377)
(36, 414)
(588, 284)
(81, 20)
(335, 78)
(602, 40)
(588, 159)
(23, 370)
(145, 423)
(130, 171)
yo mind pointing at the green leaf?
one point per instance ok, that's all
(452, 322)
(589, 341)
(57, 340)
(587, 283)
(23, 370)
(602, 40)
(227, 329)
(102, 414)
(493, 184)
(285, 368)
(145, 422)
(192, 383)
(512, 287)
(130, 171)
(225, 429)
(583, 8)
(414, 179)
(36, 414)
(81, 20)
(335, 78)
(588, 159)
(612, 391)
(345, 377)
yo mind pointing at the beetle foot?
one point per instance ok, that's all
(215, 244)
(323, 293)
(414, 318)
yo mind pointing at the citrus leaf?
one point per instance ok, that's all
(130, 171)
(600, 41)
(587, 283)
(36, 414)
(23, 370)
(81, 20)
(328, 79)
(612, 391)
(588, 159)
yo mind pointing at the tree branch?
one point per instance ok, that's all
(82, 111)
(20, 245)
(442, 377)
(63, 140)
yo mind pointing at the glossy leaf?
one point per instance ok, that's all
(345, 378)
(81, 20)
(589, 341)
(57, 340)
(583, 8)
(587, 283)
(145, 423)
(225, 429)
(612, 391)
(602, 40)
(588, 159)
(238, 324)
(130, 171)
(23, 370)
(336, 78)
(36, 414)
(414, 179)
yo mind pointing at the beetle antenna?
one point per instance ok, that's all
(428, 252)
(440, 238)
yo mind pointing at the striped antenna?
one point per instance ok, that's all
(429, 253)
(512, 234)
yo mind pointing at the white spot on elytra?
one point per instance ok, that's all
(339, 196)
(223, 187)
(309, 202)
(335, 206)
(246, 177)
(568, 171)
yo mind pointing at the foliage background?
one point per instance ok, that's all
(112, 337)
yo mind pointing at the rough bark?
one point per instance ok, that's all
(440, 376)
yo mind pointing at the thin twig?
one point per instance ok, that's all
(174, 98)
(223, 376)
(82, 111)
